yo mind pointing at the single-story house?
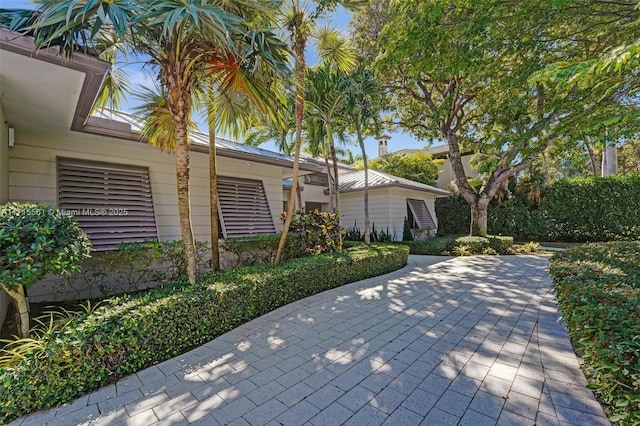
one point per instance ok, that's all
(391, 200)
(53, 151)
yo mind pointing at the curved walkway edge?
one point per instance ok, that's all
(468, 341)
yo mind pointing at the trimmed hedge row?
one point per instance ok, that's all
(472, 245)
(577, 210)
(598, 288)
(133, 332)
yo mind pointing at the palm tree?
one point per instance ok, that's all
(299, 23)
(363, 97)
(178, 38)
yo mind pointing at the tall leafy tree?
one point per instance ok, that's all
(180, 39)
(465, 72)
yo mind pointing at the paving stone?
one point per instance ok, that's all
(265, 412)
(299, 414)
(487, 404)
(435, 384)
(334, 413)
(295, 394)
(376, 382)
(143, 418)
(508, 418)
(367, 415)
(387, 400)
(453, 403)
(83, 415)
(403, 417)
(356, 398)
(174, 405)
(348, 380)
(440, 418)
(473, 418)
(420, 402)
(325, 396)
(521, 404)
(233, 410)
(119, 401)
(175, 419)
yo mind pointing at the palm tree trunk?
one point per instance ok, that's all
(330, 180)
(367, 223)
(213, 184)
(299, 44)
(184, 199)
(22, 309)
(334, 158)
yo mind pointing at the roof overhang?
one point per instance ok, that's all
(435, 191)
(63, 98)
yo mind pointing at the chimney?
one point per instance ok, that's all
(382, 145)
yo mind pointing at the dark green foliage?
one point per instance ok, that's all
(261, 249)
(36, 239)
(460, 245)
(500, 243)
(578, 209)
(598, 288)
(319, 230)
(136, 266)
(596, 209)
(375, 236)
(129, 333)
(476, 245)
(454, 215)
(353, 233)
(406, 231)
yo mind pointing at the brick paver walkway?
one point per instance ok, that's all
(469, 341)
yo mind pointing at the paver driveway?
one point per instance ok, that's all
(470, 341)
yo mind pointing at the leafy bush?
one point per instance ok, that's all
(132, 332)
(319, 230)
(476, 245)
(261, 249)
(596, 209)
(34, 240)
(499, 243)
(406, 231)
(598, 288)
(578, 209)
(434, 246)
(454, 215)
(460, 245)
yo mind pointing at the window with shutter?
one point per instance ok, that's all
(419, 214)
(244, 208)
(112, 203)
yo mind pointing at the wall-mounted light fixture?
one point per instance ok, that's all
(11, 137)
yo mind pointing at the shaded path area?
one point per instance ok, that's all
(469, 341)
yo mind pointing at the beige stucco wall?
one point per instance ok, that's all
(4, 193)
(32, 177)
(387, 208)
(446, 175)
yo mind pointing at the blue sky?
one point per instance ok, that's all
(339, 19)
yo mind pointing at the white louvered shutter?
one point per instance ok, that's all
(244, 207)
(112, 203)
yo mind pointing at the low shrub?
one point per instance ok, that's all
(458, 245)
(598, 289)
(260, 249)
(476, 245)
(132, 332)
(501, 244)
(319, 231)
(433, 246)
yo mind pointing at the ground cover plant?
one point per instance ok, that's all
(128, 333)
(598, 288)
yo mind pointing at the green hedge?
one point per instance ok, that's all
(576, 210)
(448, 245)
(133, 332)
(598, 288)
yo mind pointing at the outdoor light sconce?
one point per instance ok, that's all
(11, 137)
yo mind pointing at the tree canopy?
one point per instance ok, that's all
(418, 166)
